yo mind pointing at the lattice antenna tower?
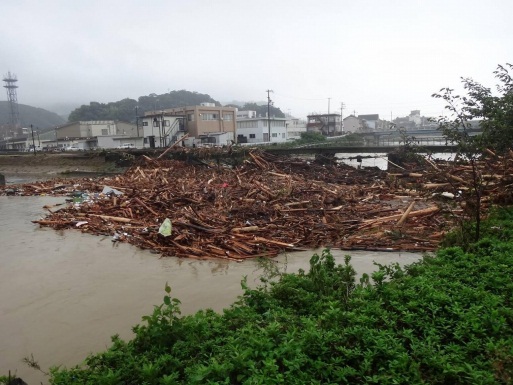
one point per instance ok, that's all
(10, 84)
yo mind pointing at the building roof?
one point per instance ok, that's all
(369, 117)
(330, 114)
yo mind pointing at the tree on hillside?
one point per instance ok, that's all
(261, 110)
(125, 109)
(174, 99)
(493, 113)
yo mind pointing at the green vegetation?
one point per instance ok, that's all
(350, 140)
(125, 109)
(311, 137)
(493, 113)
(444, 320)
(261, 109)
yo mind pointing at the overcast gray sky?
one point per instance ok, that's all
(384, 57)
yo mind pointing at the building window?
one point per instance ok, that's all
(190, 117)
(275, 135)
(228, 117)
(145, 123)
(105, 131)
(283, 135)
(252, 136)
(209, 116)
(247, 124)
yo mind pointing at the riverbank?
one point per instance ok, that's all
(444, 320)
(44, 166)
(63, 294)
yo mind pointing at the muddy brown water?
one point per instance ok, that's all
(64, 293)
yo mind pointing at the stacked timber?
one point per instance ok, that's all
(270, 204)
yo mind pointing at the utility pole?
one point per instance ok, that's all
(33, 141)
(162, 129)
(269, 114)
(137, 119)
(342, 106)
(329, 99)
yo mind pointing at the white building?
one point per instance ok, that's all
(161, 129)
(257, 130)
(295, 127)
(246, 114)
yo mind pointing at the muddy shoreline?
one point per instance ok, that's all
(47, 166)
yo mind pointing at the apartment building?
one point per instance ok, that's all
(206, 124)
(261, 129)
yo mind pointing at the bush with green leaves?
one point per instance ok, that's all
(492, 112)
(447, 319)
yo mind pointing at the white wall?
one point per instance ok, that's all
(258, 128)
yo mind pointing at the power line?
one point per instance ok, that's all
(297, 98)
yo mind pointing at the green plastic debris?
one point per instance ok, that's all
(166, 228)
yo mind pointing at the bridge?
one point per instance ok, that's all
(334, 149)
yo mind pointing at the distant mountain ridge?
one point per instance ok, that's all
(125, 109)
(38, 117)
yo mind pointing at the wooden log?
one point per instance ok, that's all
(458, 179)
(245, 229)
(172, 146)
(432, 164)
(490, 152)
(260, 239)
(207, 230)
(405, 215)
(296, 203)
(434, 185)
(110, 218)
(51, 222)
(146, 206)
(418, 213)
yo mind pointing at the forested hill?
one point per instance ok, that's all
(125, 109)
(38, 117)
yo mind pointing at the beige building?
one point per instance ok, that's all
(92, 128)
(206, 123)
(96, 133)
(352, 124)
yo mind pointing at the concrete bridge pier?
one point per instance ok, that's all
(2, 180)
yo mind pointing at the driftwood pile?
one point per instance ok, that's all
(265, 206)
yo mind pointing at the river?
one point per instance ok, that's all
(378, 160)
(64, 293)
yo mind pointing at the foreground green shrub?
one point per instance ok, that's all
(447, 319)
